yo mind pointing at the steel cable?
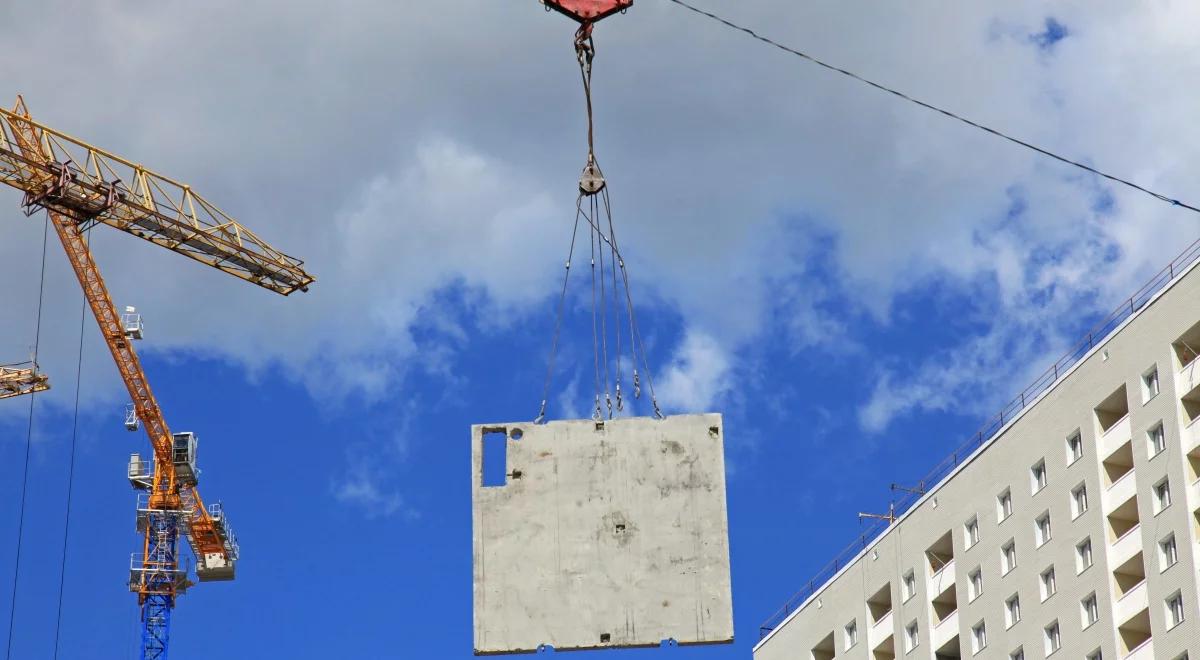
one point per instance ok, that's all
(62, 573)
(562, 299)
(37, 340)
(929, 106)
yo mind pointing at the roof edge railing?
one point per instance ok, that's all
(1027, 396)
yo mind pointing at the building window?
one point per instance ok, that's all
(1012, 611)
(978, 637)
(1004, 505)
(1049, 586)
(1008, 557)
(1168, 553)
(1037, 476)
(1083, 555)
(974, 584)
(1079, 502)
(911, 638)
(1162, 495)
(910, 585)
(1156, 437)
(1053, 638)
(851, 633)
(1042, 528)
(971, 532)
(1150, 384)
(1018, 654)
(1074, 448)
(1091, 610)
(1175, 610)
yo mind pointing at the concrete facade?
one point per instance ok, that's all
(966, 572)
(601, 534)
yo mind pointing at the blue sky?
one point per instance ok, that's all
(855, 284)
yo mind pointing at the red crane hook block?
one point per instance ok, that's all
(588, 11)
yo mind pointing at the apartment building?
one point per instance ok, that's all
(1071, 533)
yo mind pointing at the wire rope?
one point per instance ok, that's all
(37, 338)
(62, 572)
(929, 106)
(562, 299)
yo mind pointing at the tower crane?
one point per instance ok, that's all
(81, 186)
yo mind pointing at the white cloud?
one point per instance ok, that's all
(361, 488)
(697, 376)
(365, 480)
(403, 151)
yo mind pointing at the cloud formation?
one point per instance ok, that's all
(403, 151)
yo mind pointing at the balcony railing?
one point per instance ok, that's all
(1027, 396)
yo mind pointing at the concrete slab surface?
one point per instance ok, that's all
(602, 534)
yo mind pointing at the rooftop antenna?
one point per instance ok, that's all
(890, 516)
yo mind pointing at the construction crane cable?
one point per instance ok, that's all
(592, 240)
(604, 328)
(612, 263)
(37, 340)
(606, 377)
(929, 106)
(62, 571)
(585, 51)
(639, 344)
(562, 299)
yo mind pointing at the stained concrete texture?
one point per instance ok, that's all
(603, 534)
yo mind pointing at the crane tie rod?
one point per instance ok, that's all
(942, 111)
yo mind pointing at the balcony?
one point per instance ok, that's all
(1122, 520)
(1143, 652)
(1133, 637)
(1189, 436)
(1135, 600)
(885, 650)
(944, 631)
(1124, 548)
(880, 631)
(1191, 413)
(1118, 434)
(1193, 493)
(940, 558)
(942, 580)
(1121, 490)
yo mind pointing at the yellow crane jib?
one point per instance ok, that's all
(61, 173)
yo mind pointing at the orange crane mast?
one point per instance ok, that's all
(81, 186)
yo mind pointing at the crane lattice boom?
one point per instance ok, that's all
(92, 185)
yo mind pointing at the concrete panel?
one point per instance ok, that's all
(608, 534)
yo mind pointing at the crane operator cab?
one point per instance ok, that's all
(131, 323)
(183, 455)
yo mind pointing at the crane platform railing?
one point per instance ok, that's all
(93, 185)
(18, 379)
(990, 429)
(142, 572)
